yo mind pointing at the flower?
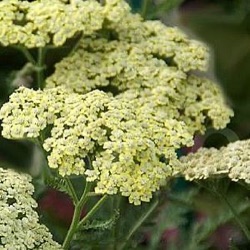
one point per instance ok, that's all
(232, 161)
(29, 112)
(37, 23)
(118, 107)
(128, 141)
(19, 222)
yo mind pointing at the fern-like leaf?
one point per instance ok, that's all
(62, 184)
(96, 233)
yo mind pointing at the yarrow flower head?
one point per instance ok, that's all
(118, 107)
(29, 112)
(19, 222)
(122, 140)
(130, 144)
(37, 23)
(232, 161)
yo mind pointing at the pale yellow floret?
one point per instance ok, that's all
(116, 10)
(232, 161)
(19, 222)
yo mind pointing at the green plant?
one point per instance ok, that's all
(123, 97)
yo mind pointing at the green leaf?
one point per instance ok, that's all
(202, 230)
(101, 224)
(61, 184)
(96, 233)
(173, 214)
(163, 8)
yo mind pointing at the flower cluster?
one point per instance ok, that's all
(121, 104)
(127, 69)
(37, 23)
(129, 65)
(19, 223)
(125, 141)
(150, 62)
(26, 114)
(232, 161)
(157, 59)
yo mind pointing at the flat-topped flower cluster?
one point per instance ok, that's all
(37, 23)
(19, 222)
(232, 161)
(125, 100)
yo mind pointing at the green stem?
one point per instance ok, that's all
(26, 53)
(93, 194)
(144, 9)
(93, 210)
(76, 45)
(115, 207)
(40, 67)
(76, 216)
(138, 224)
(46, 171)
(223, 198)
(72, 190)
(181, 202)
(236, 216)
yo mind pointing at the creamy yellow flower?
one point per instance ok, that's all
(19, 222)
(125, 100)
(38, 23)
(232, 161)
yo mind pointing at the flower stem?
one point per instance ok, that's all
(236, 216)
(144, 8)
(71, 190)
(76, 216)
(224, 199)
(93, 210)
(40, 67)
(76, 45)
(26, 53)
